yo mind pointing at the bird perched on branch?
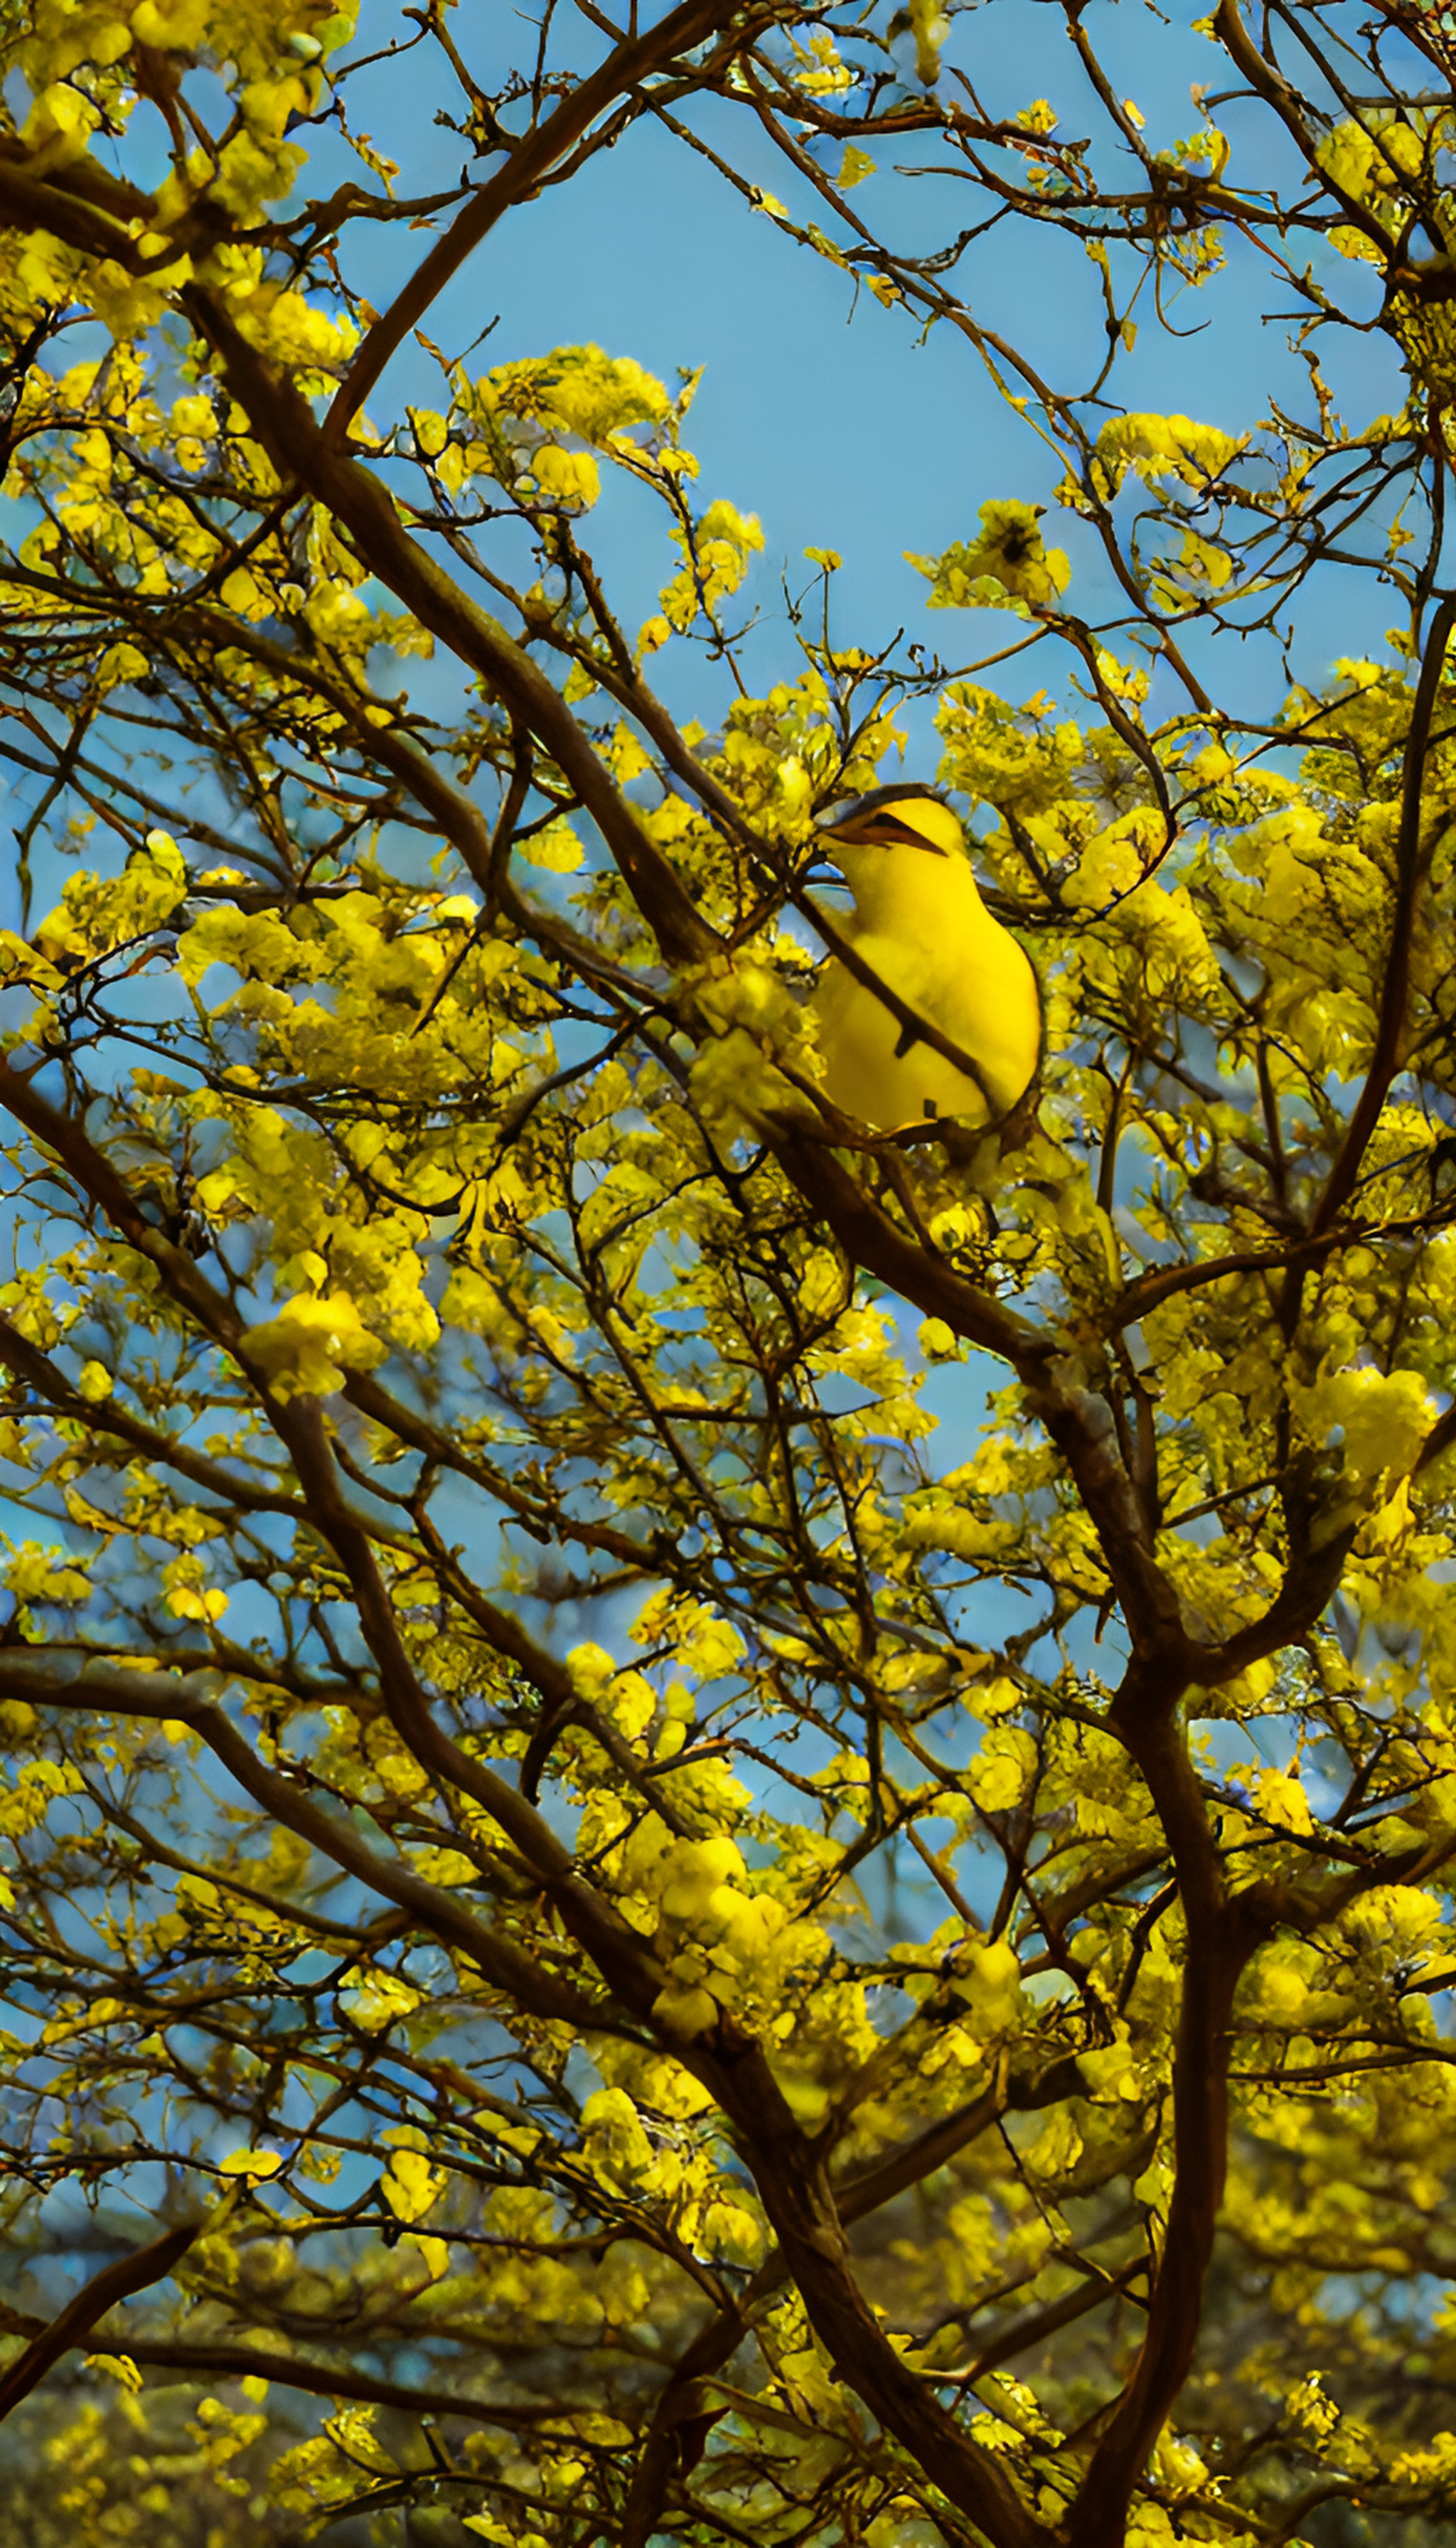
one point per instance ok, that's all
(920, 928)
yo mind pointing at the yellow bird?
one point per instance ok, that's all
(922, 927)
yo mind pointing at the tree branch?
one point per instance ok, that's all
(45, 1679)
(633, 62)
(1390, 1032)
(284, 425)
(1219, 1938)
(131, 2273)
(316, 2379)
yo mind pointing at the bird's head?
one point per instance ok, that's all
(898, 850)
(899, 817)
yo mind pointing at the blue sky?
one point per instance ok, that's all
(837, 421)
(832, 419)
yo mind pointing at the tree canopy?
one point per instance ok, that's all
(620, 1923)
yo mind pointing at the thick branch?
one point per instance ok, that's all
(1077, 2303)
(133, 2273)
(1269, 83)
(1164, 1282)
(800, 2206)
(28, 203)
(1218, 1943)
(916, 2159)
(316, 2379)
(680, 2400)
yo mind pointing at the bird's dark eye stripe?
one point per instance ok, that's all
(881, 831)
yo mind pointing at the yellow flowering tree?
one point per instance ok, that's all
(620, 1923)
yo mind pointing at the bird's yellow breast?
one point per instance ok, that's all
(921, 924)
